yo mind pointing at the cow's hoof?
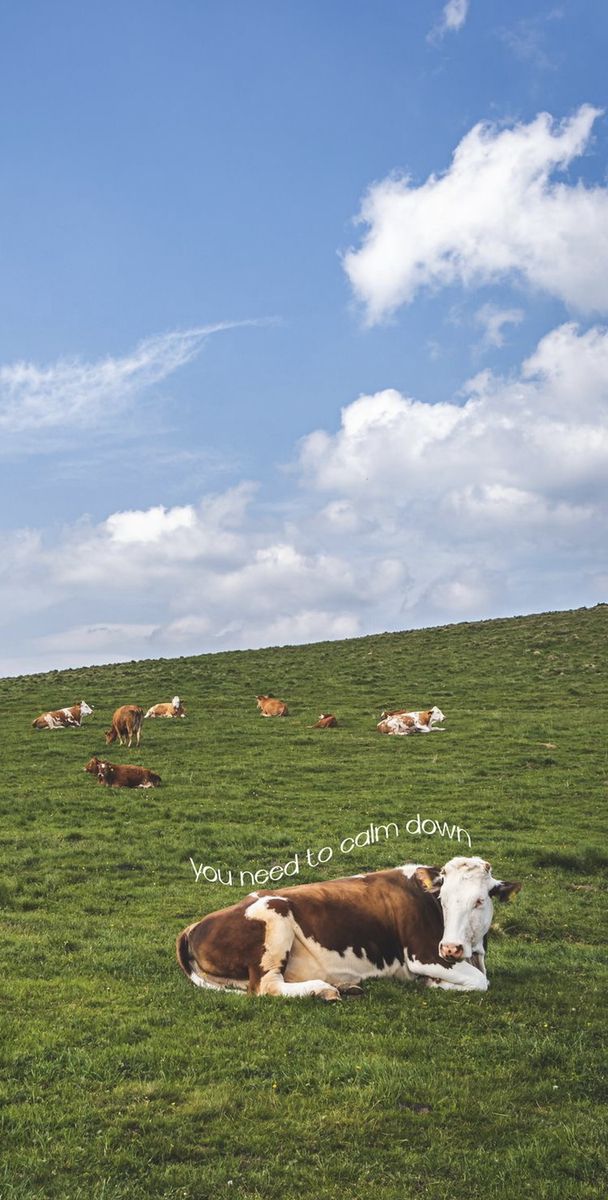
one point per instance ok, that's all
(351, 993)
(330, 993)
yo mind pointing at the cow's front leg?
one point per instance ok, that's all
(461, 977)
(266, 978)
(274, 984)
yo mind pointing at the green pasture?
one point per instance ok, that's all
(121, 1081)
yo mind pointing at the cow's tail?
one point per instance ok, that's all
(184, 957)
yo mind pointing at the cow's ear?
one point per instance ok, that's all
(430, 878)
(505, 891)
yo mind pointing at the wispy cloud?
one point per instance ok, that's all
(494, 320)
(72, 393)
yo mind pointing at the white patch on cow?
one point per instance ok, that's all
(175, 702)
(85, 711)
(200, 982)
(50, 721)
(461, 977)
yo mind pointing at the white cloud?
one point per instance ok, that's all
(453, 17)
(71, 393)
(543, 430)
(408, 514)
(494, 320)
(497, 213)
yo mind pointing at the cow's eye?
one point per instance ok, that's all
(478, 903)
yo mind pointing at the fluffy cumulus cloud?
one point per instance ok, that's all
(499, 212)
(514, 475)
(408, 514)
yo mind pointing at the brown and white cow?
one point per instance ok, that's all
(326, 721)
(397, 723)
(61, 718)
(126, 724)
(174, 709)
(401, 722)
(269, 707)
(324, 939)
(121, 775)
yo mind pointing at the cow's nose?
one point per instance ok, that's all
(451, 950)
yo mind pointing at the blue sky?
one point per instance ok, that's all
(302, 315)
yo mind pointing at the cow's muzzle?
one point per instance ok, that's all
(451, 951)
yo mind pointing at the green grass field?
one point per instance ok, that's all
(122, 1080)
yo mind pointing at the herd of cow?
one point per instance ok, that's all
(414, 922)
(126, 725)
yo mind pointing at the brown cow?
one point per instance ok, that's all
(269, 707)
(60, 718)
(126, 722)
(174, 709)
(119, 775)
(324, 939)
(326, 721)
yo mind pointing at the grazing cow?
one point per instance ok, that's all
(326, 721)
(60, 718)
(174, 709)
(324, 939)
(118, 775)
(126, 723)
(401, 722)
(269, 707)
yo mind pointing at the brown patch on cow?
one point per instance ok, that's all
(225, 943)
(376, 916)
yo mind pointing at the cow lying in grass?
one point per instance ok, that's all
(174, 709)
(326, 721)
(61, 718)
(120, 775)
(269, 707)
(324, 939)
(401, 723)
(126, 724)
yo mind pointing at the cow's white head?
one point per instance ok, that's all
(436, 715)
(465, 888)
(175, 702)
(85, 711)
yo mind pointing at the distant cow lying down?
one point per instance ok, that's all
(269, 707)
(61, 718)
(174, 709)
(126, 723)
(402, 723)
(326, 721)
(324, 939)
(119, 775)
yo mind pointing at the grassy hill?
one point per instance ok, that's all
(121, 1080)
